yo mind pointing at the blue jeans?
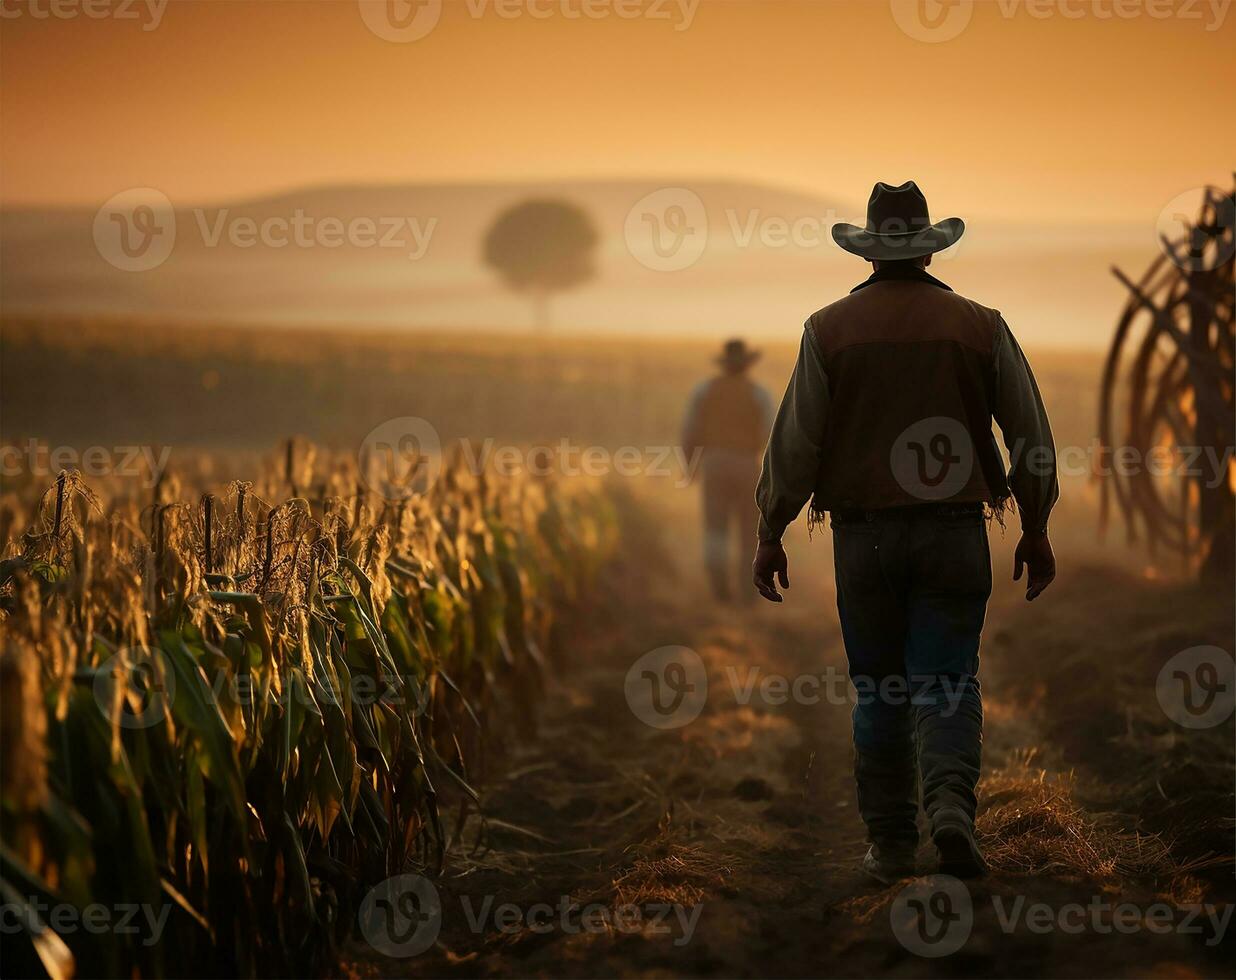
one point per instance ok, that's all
(912, 591)
(730, 519)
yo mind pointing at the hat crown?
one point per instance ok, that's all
(735, 352)
(897, 210)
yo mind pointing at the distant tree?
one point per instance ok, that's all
(541, 247)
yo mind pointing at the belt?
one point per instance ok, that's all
(851, 515)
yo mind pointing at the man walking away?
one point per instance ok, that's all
(727, 423)
(887, 425)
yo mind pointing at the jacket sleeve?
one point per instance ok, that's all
(691, 434)
(792, 458)
(1019, 411)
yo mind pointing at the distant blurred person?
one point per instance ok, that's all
(887, 426)
(727, 423)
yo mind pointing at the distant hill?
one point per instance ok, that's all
(765, 262)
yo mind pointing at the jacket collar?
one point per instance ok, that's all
(913, 273)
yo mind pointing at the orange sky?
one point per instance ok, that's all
(1081, 114)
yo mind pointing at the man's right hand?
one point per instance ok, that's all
(1034, 552)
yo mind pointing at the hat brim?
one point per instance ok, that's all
(745, 359)
(890, 248)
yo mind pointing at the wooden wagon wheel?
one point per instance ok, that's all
(1176, 332)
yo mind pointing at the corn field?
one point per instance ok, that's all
(241, 709)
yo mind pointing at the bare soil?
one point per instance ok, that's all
(744, 821)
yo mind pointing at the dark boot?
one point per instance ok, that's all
(889, 863)
(952, 831)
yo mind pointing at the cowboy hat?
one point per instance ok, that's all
(898, 226)
(737, 354)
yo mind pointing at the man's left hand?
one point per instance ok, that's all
(770, 561)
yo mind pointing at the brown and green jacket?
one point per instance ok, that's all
(891, 404)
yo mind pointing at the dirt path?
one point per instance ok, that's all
(729, 844)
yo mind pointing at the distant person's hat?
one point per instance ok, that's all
(898, 226)
(736, 354)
